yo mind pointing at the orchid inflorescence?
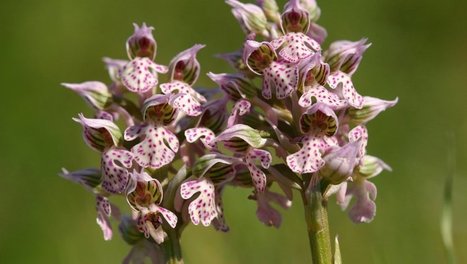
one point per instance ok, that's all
(289, 115)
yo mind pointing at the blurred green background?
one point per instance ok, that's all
(418, 54)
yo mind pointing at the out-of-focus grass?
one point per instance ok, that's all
(418, 54)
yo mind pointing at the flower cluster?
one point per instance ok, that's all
(303, 127)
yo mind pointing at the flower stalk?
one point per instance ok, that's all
(316, 217)
(172, 248)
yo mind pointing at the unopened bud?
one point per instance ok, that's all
(235, 85)
(371, 108)
(185, 67)
(345, 56)
(99, 134)
(251, 18)
(88, 178)
(313, 10)
(271, 10)
(340, 163)
(372, 166)
(96, 94)
(141, 43)
(295, 18)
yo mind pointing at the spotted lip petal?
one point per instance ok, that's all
(103, 209)
(99, 133)
(203, 208)
(151, 225)
(244, 132)
(204, 134)
(240, 108)
(282, 77)
(157, 148)
(257, 175)
(114, 166)
(320, 94)
(267, 214)
(294, 47)
(96, 94)
(185, 66)
(140, 74)
(359, 133)
(364, 208)
(169, 217)
(133, 132)
(184, 98)
(343, 81)
(308, 159)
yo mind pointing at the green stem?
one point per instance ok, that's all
(316, 217)
(171, 247)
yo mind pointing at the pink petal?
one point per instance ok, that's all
(187, 104)
(296, 46)
(320, 94)
(157, 149)
(308, 158)
(131, 133)
(348, 90)
(103, 205)
(203, 208)
(161, 68)
(104, 224)
(357, 133)
(364, 209)
(265, 212)
(282, 77)
(240, 108)
(257, 175)
(204, 134)
(169, 217)
(140, 75)
(114, 166)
